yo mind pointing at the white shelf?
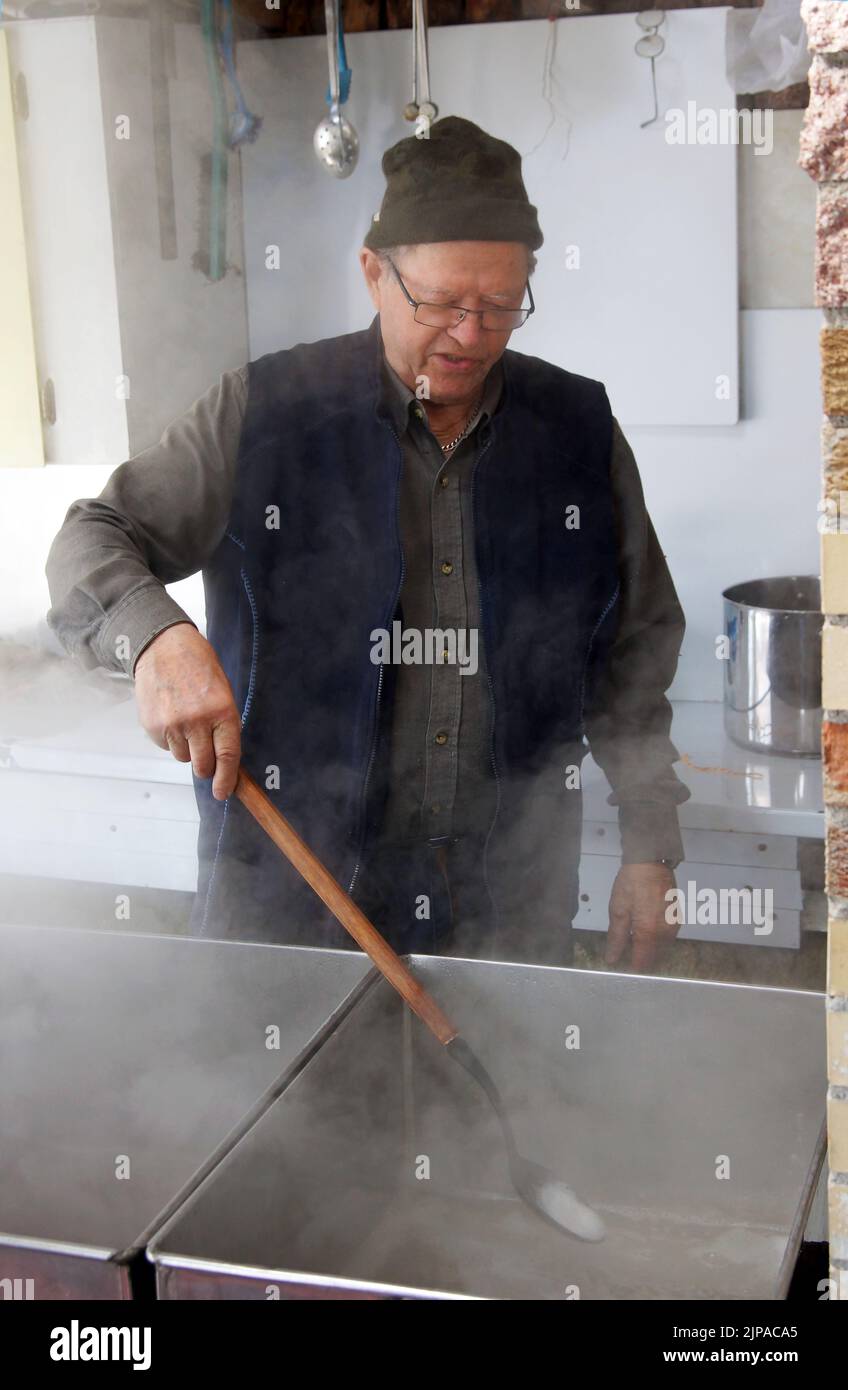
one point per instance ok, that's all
(732, 788)
(109, 742)
(99, 801)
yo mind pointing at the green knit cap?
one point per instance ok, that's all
(461, 184)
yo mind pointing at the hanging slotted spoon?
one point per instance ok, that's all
(537, 1186)
(335, 141)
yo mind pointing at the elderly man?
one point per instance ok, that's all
(430, 577)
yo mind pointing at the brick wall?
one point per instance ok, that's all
(824, 156)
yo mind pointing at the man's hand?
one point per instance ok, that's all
(185, 704)
(637, 913)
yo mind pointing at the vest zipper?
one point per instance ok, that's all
(364, 797)
(372, 755)
(610, 603)
(486, 658)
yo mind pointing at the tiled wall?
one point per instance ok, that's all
(824, 156)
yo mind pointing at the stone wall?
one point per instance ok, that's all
(824, 156)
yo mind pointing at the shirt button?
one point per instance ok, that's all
(441, 737)
(436, 808)
(419, 412)
(444, 480)
(447, 567)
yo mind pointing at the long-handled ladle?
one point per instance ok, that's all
(538, 1187)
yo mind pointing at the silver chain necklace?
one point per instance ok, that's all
(446, 448)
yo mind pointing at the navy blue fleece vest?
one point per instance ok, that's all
(312, 562)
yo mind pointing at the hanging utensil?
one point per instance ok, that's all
(212, 250)
(421, 109)
(537, 1186)
(650, 46)
(335, 142)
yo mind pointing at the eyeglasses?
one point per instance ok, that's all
(450, 315)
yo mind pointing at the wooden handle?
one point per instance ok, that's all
(343, 908)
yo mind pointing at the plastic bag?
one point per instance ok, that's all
(766, 48)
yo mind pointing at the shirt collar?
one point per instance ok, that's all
(398, 398)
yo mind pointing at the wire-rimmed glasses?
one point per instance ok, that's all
(450, 315)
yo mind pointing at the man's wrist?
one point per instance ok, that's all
(650, 834)
(154, 637)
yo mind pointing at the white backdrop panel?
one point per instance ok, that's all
(652, 310)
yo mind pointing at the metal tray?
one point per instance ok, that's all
(130, 1064)
(380, 1171)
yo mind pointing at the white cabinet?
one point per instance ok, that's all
(100, 803)
(740, 830)
(97, 803)
(129, 328)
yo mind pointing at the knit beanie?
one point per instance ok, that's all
(461, 184)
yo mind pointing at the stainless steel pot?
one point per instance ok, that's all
(772, 677)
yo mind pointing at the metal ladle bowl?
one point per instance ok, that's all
(336, 144)
(335, 141)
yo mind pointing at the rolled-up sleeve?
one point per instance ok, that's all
(158, 520)
(629, 715)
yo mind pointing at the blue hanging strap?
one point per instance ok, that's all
(244, 125)
(345, 73)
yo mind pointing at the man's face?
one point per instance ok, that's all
(473, 274)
